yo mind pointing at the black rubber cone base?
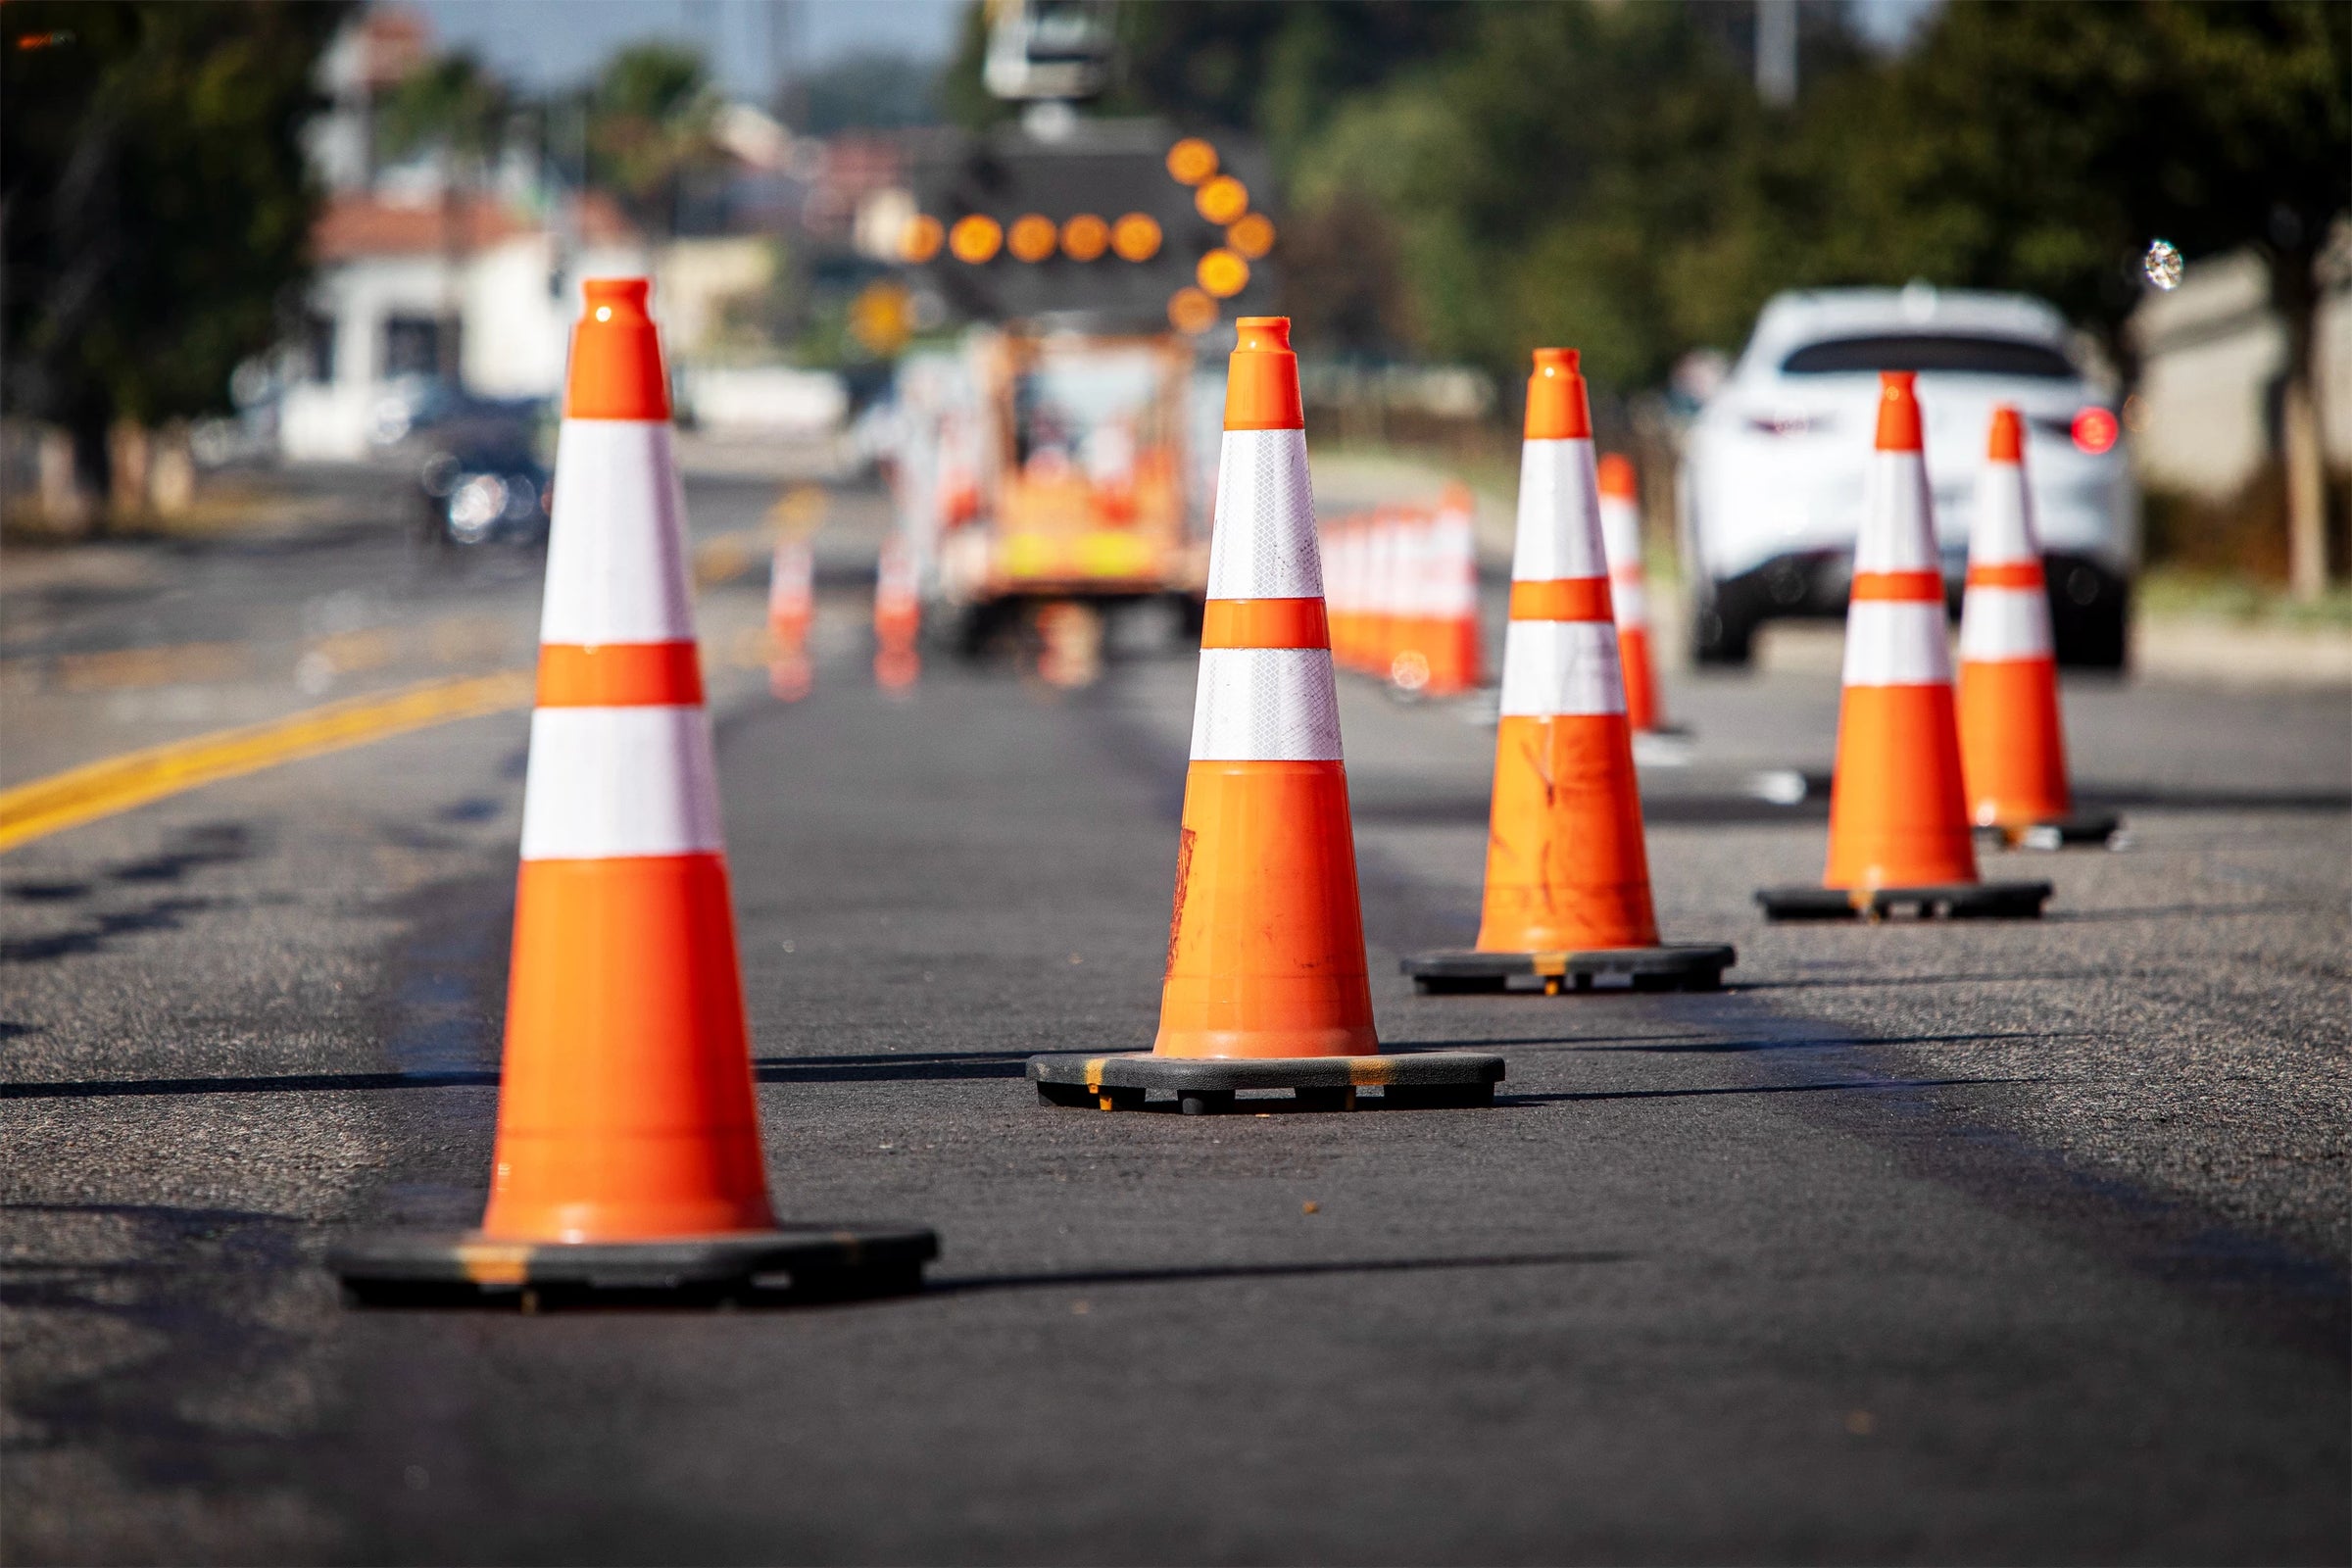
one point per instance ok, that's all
(1673, 966)
(2094, 830)
(797, 1264)
(1204, 1085)
(1956, 901)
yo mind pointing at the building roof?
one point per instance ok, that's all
(355, 225)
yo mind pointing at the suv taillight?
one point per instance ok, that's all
(2095, 430)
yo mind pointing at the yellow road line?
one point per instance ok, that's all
(83, 794)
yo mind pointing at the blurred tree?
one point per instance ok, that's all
(456, 106)
(649, 125)
(2043, 147)
(155, 204)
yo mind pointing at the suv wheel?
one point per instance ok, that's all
(1723, 630)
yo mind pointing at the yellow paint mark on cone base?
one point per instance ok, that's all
(101, 789)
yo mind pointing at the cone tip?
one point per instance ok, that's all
(621, 293)
(1898, 412)
(1261, 383)
(2008, 443)
(1557, 410)
(617, 371)
(1617, 475)
(1262, 334)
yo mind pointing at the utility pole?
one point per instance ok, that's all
(1776, 52)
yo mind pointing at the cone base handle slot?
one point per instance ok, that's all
(1670, 967)
(797, 1264)
(1208, 1084)
(1955, 901)
(2095, 830)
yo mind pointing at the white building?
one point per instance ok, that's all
(397, 278)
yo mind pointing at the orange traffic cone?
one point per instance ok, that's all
(1385, 626)
(1629, 591)
(1408, 659)
(628, 1143)
(2012, 744)
(1265, 985)
(1348, 632)
(1450, 634)
(898, 615)
(1567, 873)
(1898, 828)
(790, 609)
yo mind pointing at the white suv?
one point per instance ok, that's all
(1771, 492)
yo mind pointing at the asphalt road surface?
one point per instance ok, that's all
(1994, 1242)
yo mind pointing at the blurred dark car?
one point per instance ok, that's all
(486, 494)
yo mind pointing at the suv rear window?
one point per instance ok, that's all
(1924, 351)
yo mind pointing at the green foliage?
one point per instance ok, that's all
(453, 101)
(158, 204)
(649, 124)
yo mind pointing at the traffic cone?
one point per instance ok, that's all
(1629, 591)
(1449, 635)
(1416, 559)
(1567, 896)
(1898, 827)
(1349, 636)
(1265, 985)
(790, 609)
(628, 1142)
(1385, 627)
(898, 615)
(2012, 744)
(1338, 596)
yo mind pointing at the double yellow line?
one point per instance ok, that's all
(101, 789)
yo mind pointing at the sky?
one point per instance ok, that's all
(548, 43)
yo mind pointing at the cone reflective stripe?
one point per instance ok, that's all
(1897, 816)
(1629, 590)
(1415, 568)
(625, 1111)
(1342, 588)
(2012, 743)
(1265, 942)
(1566, 866)
(1450, 589)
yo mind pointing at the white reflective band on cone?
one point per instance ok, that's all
(616, 559)
(1454, 593)
(2002, 531)
(1999, 624)
(1264, 544)
(1558, 534)
(1897, 533)
(608, 782)
(1621, 533)
(1265, 704)
(1629, 598)
(1551, 668)
(1895, 642)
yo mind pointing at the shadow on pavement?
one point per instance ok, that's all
(940, 1285)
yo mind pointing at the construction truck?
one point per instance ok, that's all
(1054, 457)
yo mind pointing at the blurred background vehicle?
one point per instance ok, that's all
(1772, 475)
(487, 492)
